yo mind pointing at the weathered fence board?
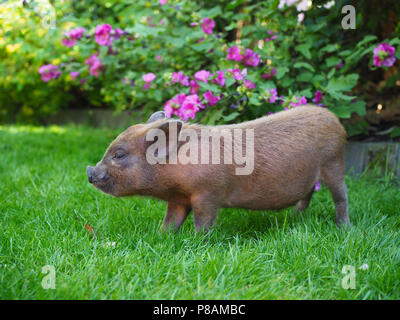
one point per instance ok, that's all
(383, 156)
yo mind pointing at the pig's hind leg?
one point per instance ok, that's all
(333, 175)
(205, 211)
(304, 203)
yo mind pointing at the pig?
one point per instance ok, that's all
(293, 150)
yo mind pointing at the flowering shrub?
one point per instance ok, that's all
(221, 62)
(384, 55)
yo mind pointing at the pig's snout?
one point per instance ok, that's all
(94, 176)
(89, 171)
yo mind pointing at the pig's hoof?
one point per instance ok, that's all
(343, 222)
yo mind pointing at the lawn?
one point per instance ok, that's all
(46, 200)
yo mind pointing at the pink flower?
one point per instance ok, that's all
(103, 34)
(77, 33)
(317, 186)
(251, 58)
(118, 33)
(95, 64)
(208, 25)
(68, 42)
(248, 84)
(339, 65)
(271, 95)
(190, 107)
(173, 105)
(318, 97)
(303, 100)
(193, 24)
(71, 36)
(202, 75)
(158, 57)
(384, 55)
(234, 54)
(211, 99)
(48, 72)
(183, 106)
(181, 78)
(270, 74)
(148, 77)
(74, 74)
(271, 38)
(300, 101)
(194, 87)
(162, 2)
(237, 74)
(220, 78)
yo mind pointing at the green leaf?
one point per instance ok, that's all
(281, 71)
(231, 117)
(158, 95)
(204, 46)
(395, 132)
(208, 86)
(359, 107)
(176, 42)
(394, 41)
(229, 82)
(345, 53)
(331, 73)
(366, 39)
(332, 61)
(145, 30)
(345, 111)
(304, 49)
(341, 112)
(267, 85)
(306, 92)
(211, 13)
(343, 83)
(216, 114)
(254, 100)
(330, 48)
(305, 76)
(287, 82)
(233, 5)
(340, 96)
(304, 65)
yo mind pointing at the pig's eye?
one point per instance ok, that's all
(119, 155)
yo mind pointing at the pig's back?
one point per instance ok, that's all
(289, 149)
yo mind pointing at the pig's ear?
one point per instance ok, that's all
(156, 116)
(172, 130)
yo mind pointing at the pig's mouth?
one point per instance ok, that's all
(101, 180)
(105, 186)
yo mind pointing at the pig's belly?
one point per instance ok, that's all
(270, 194)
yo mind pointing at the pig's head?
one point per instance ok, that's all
(124, 169)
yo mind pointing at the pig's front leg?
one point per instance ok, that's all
(176, 215)
(205, 209)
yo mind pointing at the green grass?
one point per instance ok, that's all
(249, 255)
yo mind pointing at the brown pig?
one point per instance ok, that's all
(292, 150)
